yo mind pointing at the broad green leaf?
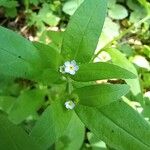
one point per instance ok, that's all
(50, 63)
(13, 137)
(51, 125)
(18, 57)
(26, 104)
(118, 12)
(100, 95)
(118, 125)
(83, 32)
(119, 59)
(99, 71)
(73, 137)
(50, 57)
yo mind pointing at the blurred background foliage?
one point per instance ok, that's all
(127, 28)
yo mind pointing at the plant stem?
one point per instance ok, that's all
(122, 35)
(69, 87)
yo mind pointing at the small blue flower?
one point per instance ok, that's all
(69, 104)
(69, 67)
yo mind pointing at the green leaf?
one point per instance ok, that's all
(52, 38)
(100, 95)
(46, 15)
(50, 63)
(13, 137)
(119, 59)
(51, 125)
(18, 57)
(71, 6)
(8, 3)
(99, 71)
(118, 12)
(26, 104)
(83, 32)
(11, 12)
(55, 37)
(118, 125)
(50, 57)
(73, 137)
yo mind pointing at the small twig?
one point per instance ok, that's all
(23, 29)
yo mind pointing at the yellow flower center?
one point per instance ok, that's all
(71, 67)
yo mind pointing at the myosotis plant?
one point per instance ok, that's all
(65, 92)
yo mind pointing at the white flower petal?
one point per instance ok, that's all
(76, 68)
(61, 69)
(67, 69)
(72, 72)
(147, 94)
(67, 63)
(73, 62)
(69, 104)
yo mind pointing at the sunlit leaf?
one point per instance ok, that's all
(99, 71)
(83, 31)
(18, 57)
(51, 125)
(100, 95)
(118, 125)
